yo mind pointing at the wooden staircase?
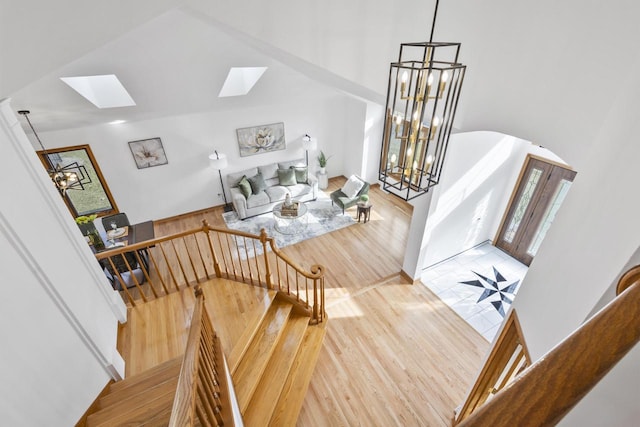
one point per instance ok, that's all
(144, 399)
(271, 366)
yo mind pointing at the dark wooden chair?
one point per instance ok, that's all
(120, 219)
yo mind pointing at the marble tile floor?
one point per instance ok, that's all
(479, 284)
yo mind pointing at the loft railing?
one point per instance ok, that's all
(151, 269)
(202, 393)
(509, 357)
(545, 392)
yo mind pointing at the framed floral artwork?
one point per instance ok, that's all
(261, 139)
(148, 153)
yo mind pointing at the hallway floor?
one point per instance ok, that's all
(479, 284)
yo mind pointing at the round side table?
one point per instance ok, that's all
(364, 210)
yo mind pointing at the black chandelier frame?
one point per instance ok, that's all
(422, 97)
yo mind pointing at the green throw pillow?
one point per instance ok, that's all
(257, 183)
(287, 176)
(301, 174)
(245, 187)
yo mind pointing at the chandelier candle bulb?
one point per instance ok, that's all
(427, 166)
(434, 126)
(416, 172)
(398, 124)
(403, 83)
(429, 83)
(443, 83)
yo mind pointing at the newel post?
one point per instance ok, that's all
(216, 264)
(318, 300)
(264, 239)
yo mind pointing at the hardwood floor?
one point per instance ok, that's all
(393, 353)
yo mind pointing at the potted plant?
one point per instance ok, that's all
(88, 229)
(364, 199)
(85, 223)
(322, 161)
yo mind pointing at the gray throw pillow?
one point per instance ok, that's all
(257, 183)
(287, 177)
(245, 187)
(301, 174)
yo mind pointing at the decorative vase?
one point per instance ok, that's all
(287, 200)
(90, 231)
(323, 170)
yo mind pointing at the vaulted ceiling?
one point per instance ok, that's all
(173, 56)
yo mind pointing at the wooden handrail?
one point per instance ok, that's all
(509, 356)
(544, 393)
(202, 391)
(153, 268)
(627, 279)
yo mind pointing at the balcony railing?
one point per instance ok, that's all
(151, 269)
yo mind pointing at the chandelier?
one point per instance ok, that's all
(422, 96)
(72, 176)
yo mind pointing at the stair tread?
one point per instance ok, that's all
(257, 355)
(275, 375)
(160, 418)
(137, 385)
(294, 390)
(244, 341)
(137, 409)
(165, 367)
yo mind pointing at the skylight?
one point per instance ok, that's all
(102, 91)
(240, 80)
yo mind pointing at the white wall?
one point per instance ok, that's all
(477, 181)
(540, 71)
(59, 316)
(372, 142)
(187, 182)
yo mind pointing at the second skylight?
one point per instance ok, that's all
(240, 80)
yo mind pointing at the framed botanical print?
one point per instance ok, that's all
(148, 153)
(261, 139)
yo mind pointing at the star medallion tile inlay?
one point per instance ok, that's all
(492, 288)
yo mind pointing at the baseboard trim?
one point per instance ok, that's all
(198, 212)
(408, 278)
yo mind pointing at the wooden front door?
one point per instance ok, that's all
(539, 193)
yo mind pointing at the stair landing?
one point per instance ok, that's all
(157, 331)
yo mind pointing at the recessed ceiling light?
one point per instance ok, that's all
(102, 91)
(240, 80)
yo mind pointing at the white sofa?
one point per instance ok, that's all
(264, 200)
